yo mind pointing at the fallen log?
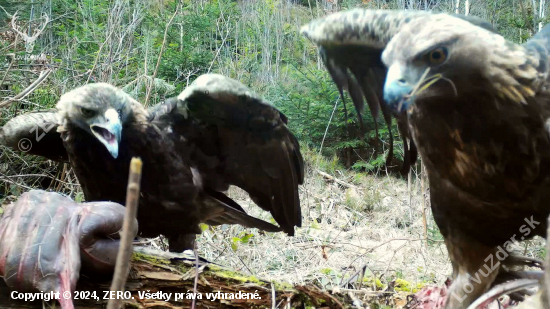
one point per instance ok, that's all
(157, 278)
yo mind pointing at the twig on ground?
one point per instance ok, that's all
(196, 273)
(341, 182)
(423, 190)
(393, 255)
(63, 175)
(317, 294)
(361, 272)
(273, 299)
(125, 250)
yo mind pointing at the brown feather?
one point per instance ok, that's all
(223, 147)
(481, 129)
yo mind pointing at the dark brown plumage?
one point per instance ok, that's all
(217, 133)
(478, 110)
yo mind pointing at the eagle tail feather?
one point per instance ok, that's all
(222, 210)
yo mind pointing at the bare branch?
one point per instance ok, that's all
(126, 249)
(150, 88)
(97, 57)
(29, 89)
(3, 9)
(343, 183)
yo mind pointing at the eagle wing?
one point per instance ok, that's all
(233, 137)
(35, 133)
(351, 44)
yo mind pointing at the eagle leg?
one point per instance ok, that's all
(513, 269)
(475, 267)
(519, 260)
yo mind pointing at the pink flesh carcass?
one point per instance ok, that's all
(45, 239)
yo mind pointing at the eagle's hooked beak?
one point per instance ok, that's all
(397, 89)
(109, 132)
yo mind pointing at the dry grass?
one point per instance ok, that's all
(343, 230)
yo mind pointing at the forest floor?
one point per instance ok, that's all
(359, 232)
(365, 233)
(370, 223)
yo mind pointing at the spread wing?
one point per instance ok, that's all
(35, 133)
(235, 138)
(351, 45)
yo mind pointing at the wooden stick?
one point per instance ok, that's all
(125, 250)
(423, 189)
(409, 188)
(62, 179)
(343, 183)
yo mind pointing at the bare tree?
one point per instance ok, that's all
(542, 12)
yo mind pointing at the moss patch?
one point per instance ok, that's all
(370, 280)
(147, 258)
(233, 275)
(283, 285)
(406, 286)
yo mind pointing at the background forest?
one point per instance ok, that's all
(154, 49)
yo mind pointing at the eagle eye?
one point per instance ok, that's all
(437, 56)
(86, 112)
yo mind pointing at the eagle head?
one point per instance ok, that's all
(100, 110)
(437, 56)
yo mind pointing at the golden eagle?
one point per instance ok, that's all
(216, 133)
(476, 106)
